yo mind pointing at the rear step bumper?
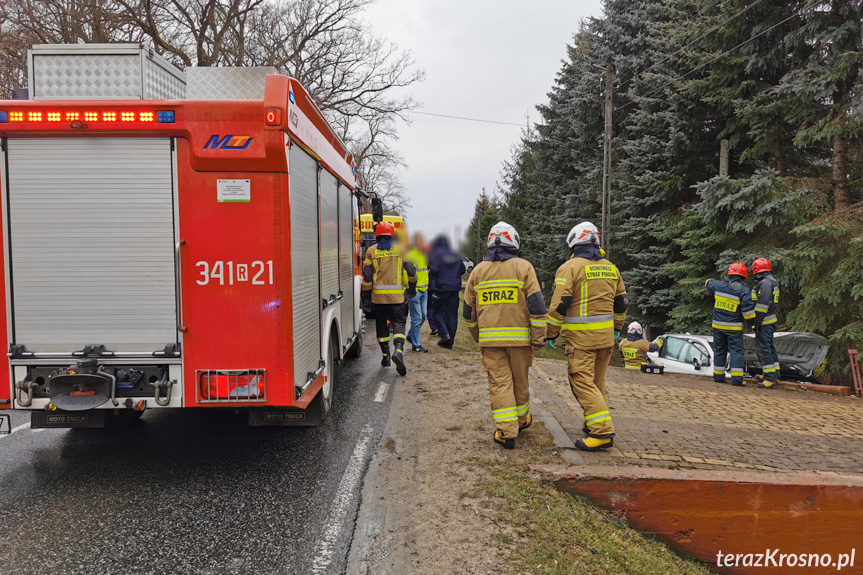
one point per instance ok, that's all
(94, 418)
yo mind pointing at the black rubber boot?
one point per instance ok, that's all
(385, 350)
(398, 357)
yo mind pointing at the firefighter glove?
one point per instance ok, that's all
(616, 334)
(412, 289)
(367, 302)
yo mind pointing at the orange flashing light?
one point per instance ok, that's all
(72, 116)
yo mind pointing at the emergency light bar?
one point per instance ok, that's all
(106, 116)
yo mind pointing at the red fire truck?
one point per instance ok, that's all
(171, 247)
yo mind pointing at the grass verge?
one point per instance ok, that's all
(553, 533)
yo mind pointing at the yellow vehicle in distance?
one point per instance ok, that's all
(367, 230)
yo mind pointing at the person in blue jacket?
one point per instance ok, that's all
(445, 271)
(732, 309)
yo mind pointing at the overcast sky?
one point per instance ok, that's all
(487, 59)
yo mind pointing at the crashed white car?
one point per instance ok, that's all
(799, 353)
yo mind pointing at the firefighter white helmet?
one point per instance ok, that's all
(503, 234)
(635, 328)
(583, 233)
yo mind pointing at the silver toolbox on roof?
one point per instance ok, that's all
(102, 72)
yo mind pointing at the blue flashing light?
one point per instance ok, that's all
(291, 96)
(4, 117)
(165, 117)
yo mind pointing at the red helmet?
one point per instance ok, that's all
(738, 269)
(761, 265)
(384, 229)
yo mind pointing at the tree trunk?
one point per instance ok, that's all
(840, 173)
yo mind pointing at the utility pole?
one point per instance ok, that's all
(723, 158)
(479, 226)
(606, 160)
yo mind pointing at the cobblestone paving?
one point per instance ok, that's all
(677, 421)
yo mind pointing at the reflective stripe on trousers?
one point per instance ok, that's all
(596, 418)
(505, 414)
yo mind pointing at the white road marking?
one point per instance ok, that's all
(341, 503)
(16, 429)
(382, 392)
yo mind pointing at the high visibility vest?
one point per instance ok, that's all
(418, 258)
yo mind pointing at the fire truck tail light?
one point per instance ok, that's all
(127, 116)
(232, 385)
(91, 116)
(34, 116)
(54, 116)
(146, 116)
(72, 116)
(273, 116)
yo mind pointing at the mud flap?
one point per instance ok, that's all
(283, 416)
(61, 420)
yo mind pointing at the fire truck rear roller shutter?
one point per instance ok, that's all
(92, 234)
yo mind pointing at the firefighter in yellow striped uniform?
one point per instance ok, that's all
(589, 307)
(634, 348)
(386, 278)
(506, 314)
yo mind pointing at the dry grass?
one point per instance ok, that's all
(549, 532)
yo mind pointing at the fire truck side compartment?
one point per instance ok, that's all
(329, 238)
(346, 262)
(305, 266)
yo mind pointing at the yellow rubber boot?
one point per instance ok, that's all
(594, 444)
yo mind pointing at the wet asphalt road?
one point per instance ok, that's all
(192, 493)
